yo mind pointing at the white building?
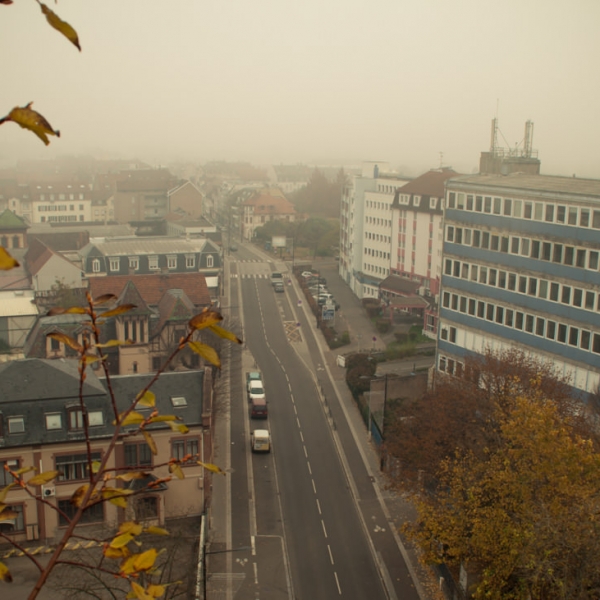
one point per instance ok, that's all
(366, 228)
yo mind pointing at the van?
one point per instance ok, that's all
(260, 441)
(278, 286)
(258, 408)
(255, 389)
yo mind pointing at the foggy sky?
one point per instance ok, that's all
(276, 81)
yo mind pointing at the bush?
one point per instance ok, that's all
(401, 338)
(383, 326)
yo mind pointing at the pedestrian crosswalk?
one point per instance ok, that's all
(250, 275)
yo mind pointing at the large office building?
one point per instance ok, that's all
(521, 268)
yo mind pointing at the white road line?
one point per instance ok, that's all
(319, 506)
(324, 530)
(256, 574)
(253, 544)
(302, 437)
(314, 486)
(337, 581)
(330, 554)
(309, 469)
(305, 452)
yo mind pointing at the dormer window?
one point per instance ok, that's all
(210, 261)
(153, 263)
(416, 200)
(115, 263)
(53, 421)
(171, 262)
(75, 419)
(96, 266)
(190, 261)
(16, 425)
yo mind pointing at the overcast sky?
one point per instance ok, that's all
(277, 81)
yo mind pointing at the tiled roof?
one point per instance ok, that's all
(270, 201)
(131, 295)
(38, 255)
(152, 287)
(146, 180)
(136, 246)
(174, 306)
(431, 183)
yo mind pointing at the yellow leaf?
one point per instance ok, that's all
(152, 530)
(78, 494)
(206, 318)
(65, 339)
(224, 333)
(119, 501)
(43, 478)
(76, 310)
(89, 359)
(23, 470)
(147, 399)
(145, 560)
(4, 491)
(127, 566)
(133, 418)
(121, 540)
(176, 470)
(7, 577)
(130, 475)
(7, 514)
(27, 118)
(61, 26)
(122, 552)
(130, 527)
(207, 352)
(212, 468)
(119, 310)
(179, 427)
(7, 262)
(108, 493)
(104, 298)
(163, 418)
(150, 441)
(113, 343)
(140, 592)
(96, 466)
(156, 591)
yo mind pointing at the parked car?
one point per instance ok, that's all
(278, 286)
(276, 277)
(260, 440)
(233, 248)
(307, 274)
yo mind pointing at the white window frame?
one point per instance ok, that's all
(153, 262)
(114, 263)
(96, 265)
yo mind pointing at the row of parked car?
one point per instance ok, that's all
(317, 286)
(260, 439)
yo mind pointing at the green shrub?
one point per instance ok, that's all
(383, 326)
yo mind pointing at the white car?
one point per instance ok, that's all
(307, 274)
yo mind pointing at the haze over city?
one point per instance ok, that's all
(413, 83)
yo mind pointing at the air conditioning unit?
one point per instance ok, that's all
(48, 491)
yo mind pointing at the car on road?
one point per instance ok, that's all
(260, 440)
(278, 286)
(233, 248)
(276, 277)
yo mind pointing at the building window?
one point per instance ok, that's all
(92, 514)
(171, 262)
(74, 467)
(153, 262)
(134, 262)
(190, 261)
(75, 419)
(96, 265)
(187, 447)
(95, 418)
(5, 477)
(210, 261)
(137, 455)
(15, 524)
(115, 264)
(53, 421)
(16, 425)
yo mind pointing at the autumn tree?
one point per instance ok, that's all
(461, 413)
(522, 516)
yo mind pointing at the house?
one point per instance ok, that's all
(42, 425)
(187, 199)
(142, 194)
(146, 255)
(152, 329)
(267, 204)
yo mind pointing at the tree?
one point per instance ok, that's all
(319, 196)
(523, 515)
(461, 413)
(123, 554)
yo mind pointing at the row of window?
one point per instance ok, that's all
(416, 200)
(572, 256)
(378, 237)
(548, 212)
(74, 422)
(114, 263)
(377, 253)
(377, 221)
(62, 196)
(516, 319)
(524, 284)
(56, 207)
(377, 270)
(62, 219)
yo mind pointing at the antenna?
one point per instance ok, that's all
(528, 142)
(494, 140)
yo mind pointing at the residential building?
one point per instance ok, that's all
(366, 228)
(142, 194)
(267, 204)
(42, 425)
(146, 255)
(13, 230)
(521, 268)
(18, 312)
(187, 199)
